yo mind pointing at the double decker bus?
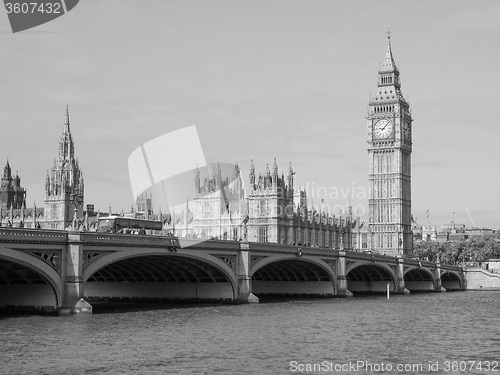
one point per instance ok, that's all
(128, 225)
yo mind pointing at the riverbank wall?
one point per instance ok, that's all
(481, 279)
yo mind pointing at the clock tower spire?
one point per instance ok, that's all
(389, 126)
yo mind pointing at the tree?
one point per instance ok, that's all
(476, 249)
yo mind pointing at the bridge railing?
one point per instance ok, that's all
(420, 263)
(451, 267)
(211, 244)
(126, 239)
(32, 235)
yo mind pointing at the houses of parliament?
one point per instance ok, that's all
(64, 192)
(273, 209)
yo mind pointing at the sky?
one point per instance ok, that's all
(260, 79)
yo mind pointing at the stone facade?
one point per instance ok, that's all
(12, 194)
(64, 185)
(271, 212)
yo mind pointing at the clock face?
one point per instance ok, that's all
(406, 130)
(382, 129)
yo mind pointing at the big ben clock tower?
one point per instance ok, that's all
(389, 153)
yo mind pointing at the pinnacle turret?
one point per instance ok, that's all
(66, 121)
(236, 170)
(388, 65)
(197, 180)
(7, 173)
(290, 176)
(252, 172)
(275, 167)
(275, 173)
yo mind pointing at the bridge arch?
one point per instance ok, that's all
(370, 277)
(37, 283)
(159, 273)
(286, 274)
(419, 279)
(451, 280)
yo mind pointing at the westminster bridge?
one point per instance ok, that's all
(53, 270)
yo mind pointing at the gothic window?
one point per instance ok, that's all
(262, 233)
(282, 236)
(206, 209)
(263, 206)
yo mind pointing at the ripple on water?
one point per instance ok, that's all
(257, 339)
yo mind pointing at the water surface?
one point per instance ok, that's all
(269, 338)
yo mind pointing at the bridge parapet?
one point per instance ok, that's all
(256, 247)
(127, 240)
(451, 267)
(420, 263)
(32, 235)
(209, 244)
(356, 255)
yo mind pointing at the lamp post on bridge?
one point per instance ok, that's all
(399, 242)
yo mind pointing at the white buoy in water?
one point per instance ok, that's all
(388, 287)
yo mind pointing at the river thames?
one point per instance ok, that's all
(417, 334)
